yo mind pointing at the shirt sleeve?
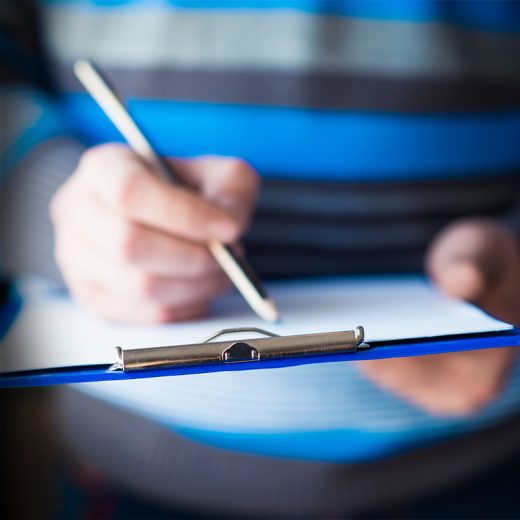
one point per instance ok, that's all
(38, 148)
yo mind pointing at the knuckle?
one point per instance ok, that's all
(93, 155)
(62, 201)
(147, 286)
(193, 215)
(127, 188)
(89, 157)
(239, 167)
(236, 165)
(245, 170)
(162, 314)
(175, 315)
(130, 246)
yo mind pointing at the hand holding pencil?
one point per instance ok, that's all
(135, 245)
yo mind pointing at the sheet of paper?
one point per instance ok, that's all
(55, 332)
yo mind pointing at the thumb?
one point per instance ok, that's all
(464, 259)
(229, 183)
(462, 279)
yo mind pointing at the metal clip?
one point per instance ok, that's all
(271, 346)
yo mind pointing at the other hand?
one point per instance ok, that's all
(132, 246)
(477, 261)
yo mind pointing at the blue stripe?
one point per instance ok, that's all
(497, 15)
(320, 144)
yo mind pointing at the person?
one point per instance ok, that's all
(386, 135)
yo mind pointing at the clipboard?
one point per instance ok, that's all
(254, 354)
(220, 353)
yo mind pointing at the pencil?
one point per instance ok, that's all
(239, 271)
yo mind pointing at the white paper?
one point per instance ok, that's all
(56, 332)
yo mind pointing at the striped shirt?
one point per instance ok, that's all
(373, 124)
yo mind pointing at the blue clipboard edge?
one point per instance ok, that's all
(378, 350)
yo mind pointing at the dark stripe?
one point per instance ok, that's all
(312, 228)
(283, 263)
(307, 89)
(340, 200)
(344, 236)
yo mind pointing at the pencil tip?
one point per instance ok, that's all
(269, 312)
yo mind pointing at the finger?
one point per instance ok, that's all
(229, 182)
(115, 308)
(466, 259)
(172, 292)
(133, 283)
(132, 190)
(142, 299)
(454, 384)
(423, 382)
(165, 255)
(463, 279)
(181, 292)
(153, 251)
(112, 307)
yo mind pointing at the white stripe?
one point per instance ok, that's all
(280, 39)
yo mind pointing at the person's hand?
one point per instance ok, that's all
(131, 246)
(477, 261)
